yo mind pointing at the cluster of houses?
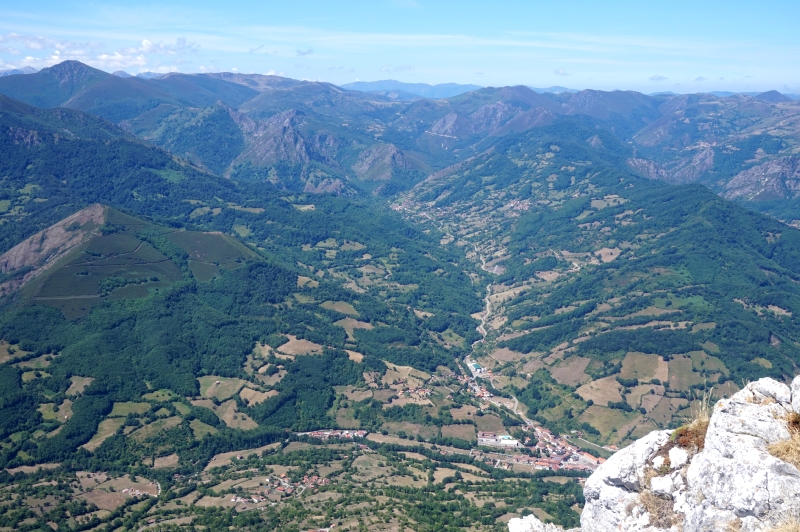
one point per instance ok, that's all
(135, 493)
(518, 205)
(314, 480)
(562, 454)
(420, 392)
(336, 434)
(493, 439)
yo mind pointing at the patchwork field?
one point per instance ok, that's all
(220, 387)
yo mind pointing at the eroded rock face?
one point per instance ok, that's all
(660, 483)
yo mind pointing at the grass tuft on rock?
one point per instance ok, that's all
(789, 450)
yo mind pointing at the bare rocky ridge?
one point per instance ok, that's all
(732, 483)
(772, 180)
(376, 163)
(40, 251)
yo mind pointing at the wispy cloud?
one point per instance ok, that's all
(303, 53)
(658, 77)
(560, 72)
(700, 78)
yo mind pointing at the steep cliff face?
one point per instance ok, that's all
(739, 475)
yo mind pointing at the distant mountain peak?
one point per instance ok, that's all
(443, 90)
(18, 71)
(773, 97)
(121, 74)
(72, 72)
(149, 75)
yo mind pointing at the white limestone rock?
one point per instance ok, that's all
(677, 458)
(796, 394)
(612, 492)
(733, 480)
(735, 477)
(530, 523)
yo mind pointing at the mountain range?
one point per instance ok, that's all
(193, 266)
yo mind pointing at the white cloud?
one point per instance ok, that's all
(560, 72)
(403, 68)
(385, 68)
(658, 77)
(700, 78)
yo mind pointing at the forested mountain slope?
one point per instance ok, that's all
(615, 298)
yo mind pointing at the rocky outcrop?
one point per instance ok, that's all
(775, 179)
(690, 481)
(377, 162)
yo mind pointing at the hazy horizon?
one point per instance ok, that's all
(681, 47)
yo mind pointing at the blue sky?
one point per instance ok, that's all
(647, 46)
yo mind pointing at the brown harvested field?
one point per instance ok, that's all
(31, 469)
(354, 356)
(123, 409)
(666, 409)
(306, 281)
(236, 420)
(79, 384)
(220, 387)
(272, 380)
(350, 324)
(462, 432)
(215, 502)
(358, 395)
(296, 347)
(464, 412)
(650, 401)
(382, 395)
(341, 307)
(414, 378)
(638, 393)
(571, 371)
(166, 461)
(414, 456)
(601, 391)
(151, 429)
(548, 276)
(205, 403)
(608, 254)
(505, 354)
(105, 499)
(225, 459)
(253, 397)
(489, 423)
(442, 473)
(681, 376)
(412, 429)
(380, 438)
(409, 400)
(107, 428)
(644, 367)
(532, 366)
